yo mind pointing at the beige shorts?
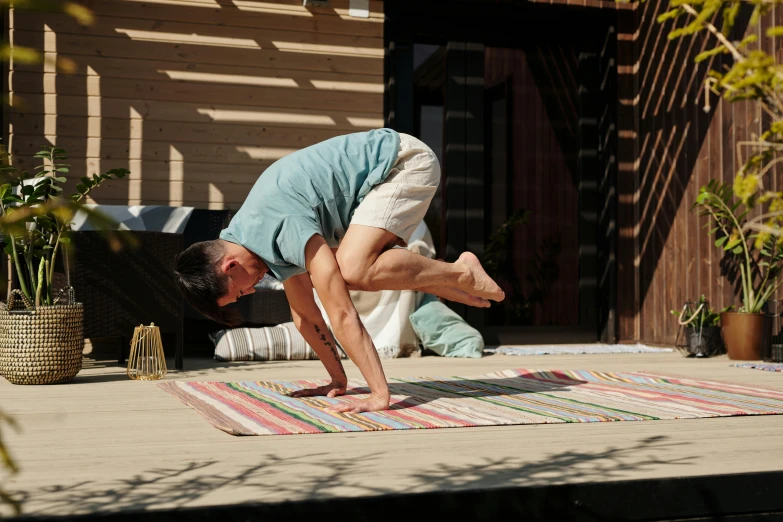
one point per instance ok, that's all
(400, 202)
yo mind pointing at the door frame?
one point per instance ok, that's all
(465, 27)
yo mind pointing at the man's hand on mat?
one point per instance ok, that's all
(331, 390)
(374, 403)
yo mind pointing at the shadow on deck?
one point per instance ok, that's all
(571, 485)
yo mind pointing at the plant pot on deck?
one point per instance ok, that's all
(743, 335)
(41, 345)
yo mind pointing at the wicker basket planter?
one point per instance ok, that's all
(41, 346)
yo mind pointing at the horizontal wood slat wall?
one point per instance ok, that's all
(196, 98)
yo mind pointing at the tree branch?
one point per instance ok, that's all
(721, 38)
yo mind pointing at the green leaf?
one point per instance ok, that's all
(60, 179)
(81, 188)
(62, 169)
(65, 240)
(674, 13)
(87, 181)
(709, 53)
(4, 189)
(721, 241)
(8, 249)
(749, 39)
(119, 173)
(27, 190)
(737, 250)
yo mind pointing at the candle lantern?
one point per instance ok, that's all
(147, 361)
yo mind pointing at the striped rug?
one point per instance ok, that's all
(501, 398)
(573, 349)
(769, 367)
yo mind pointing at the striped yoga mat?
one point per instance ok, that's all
(501, 398)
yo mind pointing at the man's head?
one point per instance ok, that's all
(212, 274)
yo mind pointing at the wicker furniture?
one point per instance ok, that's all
(42, 345)
(122, 290)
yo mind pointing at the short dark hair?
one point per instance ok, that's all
(201, 282)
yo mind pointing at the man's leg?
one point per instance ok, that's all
(368, 263)
(452, 294)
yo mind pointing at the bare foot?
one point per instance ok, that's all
(457, 295)
(479, 283)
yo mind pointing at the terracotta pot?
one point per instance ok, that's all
(743, 335)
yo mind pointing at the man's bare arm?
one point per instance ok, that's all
(310, 323)
(348, 328)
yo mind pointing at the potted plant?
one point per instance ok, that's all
(40, 336)
(701, 329)
(740, 225)
(747, 217)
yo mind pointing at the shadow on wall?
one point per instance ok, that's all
(195, 99)
(681, 147)
(205, 482)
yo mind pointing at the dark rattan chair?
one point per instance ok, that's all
(122, 290)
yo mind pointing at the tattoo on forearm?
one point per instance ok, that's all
(337, 358)
(332, 348)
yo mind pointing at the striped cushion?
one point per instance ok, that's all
(274, 343)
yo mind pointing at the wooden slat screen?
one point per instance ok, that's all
(195, 97)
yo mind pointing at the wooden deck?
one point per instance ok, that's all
(104, 444)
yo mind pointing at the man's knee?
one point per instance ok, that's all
(354, 272)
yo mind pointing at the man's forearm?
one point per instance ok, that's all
(357, 342)
(321, 341)
(348, 328)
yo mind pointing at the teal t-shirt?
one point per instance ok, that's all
(314, 190)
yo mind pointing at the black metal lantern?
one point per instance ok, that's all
(696, 336)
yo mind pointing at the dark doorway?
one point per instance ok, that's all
(517, 102)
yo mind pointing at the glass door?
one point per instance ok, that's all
(518, 120)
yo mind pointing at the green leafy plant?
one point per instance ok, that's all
(702, 314)
(499, 262)
(35, 218)
(758, 255)
(10, 220)
(497, 255)
(747, 217)
(29, 55)
(752, 75)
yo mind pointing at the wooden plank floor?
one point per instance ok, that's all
(105, 444)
